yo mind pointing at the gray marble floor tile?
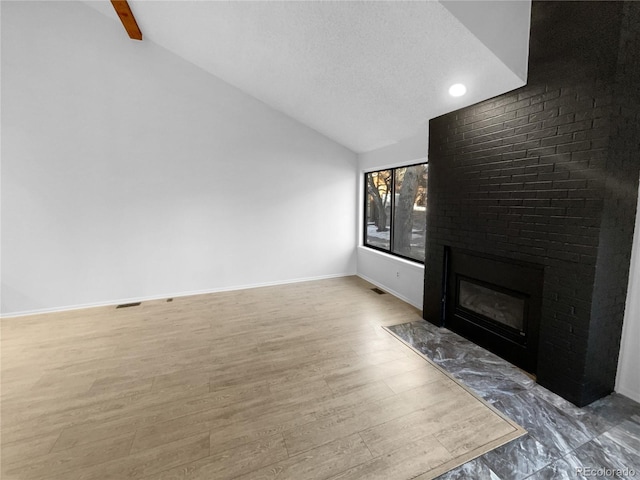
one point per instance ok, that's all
(627, 435)
(475, 469)
(517, 375)
(548, 424)
(602, 452)
(490, 387)
(552, 398)
(594, 423)
(615, 408)
(566, 468)
(519, 458)
(411, 332)
(463, 357)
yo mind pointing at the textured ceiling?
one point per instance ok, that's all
(366, 74)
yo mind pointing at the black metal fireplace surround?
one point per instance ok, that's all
(495, 302)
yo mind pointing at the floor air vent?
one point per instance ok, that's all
(126, 305)
(378, 291)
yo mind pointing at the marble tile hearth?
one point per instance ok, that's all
(601, 440)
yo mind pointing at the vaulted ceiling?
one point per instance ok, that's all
(364, 73)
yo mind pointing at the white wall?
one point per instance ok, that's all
(628, 378)
(402, 278)
(128, 173)
(502, 25)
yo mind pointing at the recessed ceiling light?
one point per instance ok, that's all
(457, 90)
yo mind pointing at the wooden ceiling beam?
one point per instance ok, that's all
(128, 20)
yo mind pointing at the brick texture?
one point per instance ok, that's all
(548, 174)
(616, 233)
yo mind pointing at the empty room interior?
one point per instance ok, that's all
(320, 240)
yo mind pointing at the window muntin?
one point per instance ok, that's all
(395, 211)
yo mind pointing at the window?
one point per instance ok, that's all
(395, 211)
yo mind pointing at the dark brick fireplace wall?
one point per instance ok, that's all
(548, 174)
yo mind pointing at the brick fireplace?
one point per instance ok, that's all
(547, 176)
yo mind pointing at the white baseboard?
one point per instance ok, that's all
(390, 290)
(110, 303)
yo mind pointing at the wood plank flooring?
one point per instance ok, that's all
(290, 382)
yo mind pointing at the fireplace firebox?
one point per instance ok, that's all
(495, 302)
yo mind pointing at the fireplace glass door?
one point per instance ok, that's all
(507, 309)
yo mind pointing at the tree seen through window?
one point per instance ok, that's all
(395, 211)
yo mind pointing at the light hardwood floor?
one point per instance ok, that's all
(290, 382)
